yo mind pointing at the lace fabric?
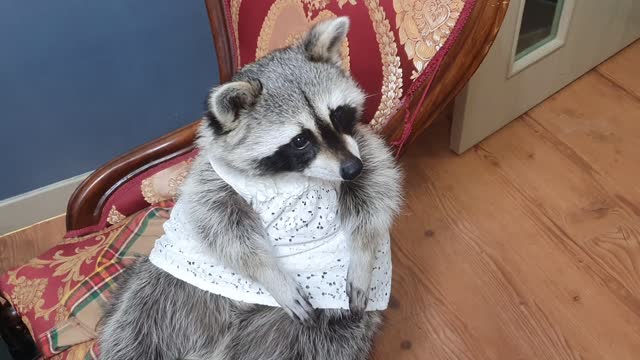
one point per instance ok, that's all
(300, 215)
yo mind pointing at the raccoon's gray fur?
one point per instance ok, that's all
(294, 110)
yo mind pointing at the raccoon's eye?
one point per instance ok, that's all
(300, 142)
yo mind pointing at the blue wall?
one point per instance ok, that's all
(84, 81)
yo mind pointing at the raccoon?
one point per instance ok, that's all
(294, 111)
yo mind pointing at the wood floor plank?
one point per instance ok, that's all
(505, 321)
(598, 233)
(420, 324)
(623, 69)
(525, 243)
(18, 247)
(610, 147)
(533, 222)
(603, 224)
(601, 122)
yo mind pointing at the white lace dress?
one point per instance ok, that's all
(300, 215)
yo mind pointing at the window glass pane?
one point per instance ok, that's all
(539, 25)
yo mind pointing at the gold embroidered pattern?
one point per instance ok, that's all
(149, 192)
(424, 26)
(61, 313)
(391, 90)
(315, 5)
(27, 294)
(176, 182)
(235, 17)
(342, 2)
(266, 32)
(391, 70)
(115, 216)
(80, 351)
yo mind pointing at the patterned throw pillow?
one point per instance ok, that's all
(61, 293)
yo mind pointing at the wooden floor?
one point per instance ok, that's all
(528, 245)
(16, 248)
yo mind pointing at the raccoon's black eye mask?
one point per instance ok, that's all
(344, 118)
(293, 156)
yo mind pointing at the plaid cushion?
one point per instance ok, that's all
(86, 302)
(85, 306)
(60, 293)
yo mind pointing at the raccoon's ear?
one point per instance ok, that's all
(323, 42)
(225, 103)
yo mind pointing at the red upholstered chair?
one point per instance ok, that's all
(397, 49)
(411, 56)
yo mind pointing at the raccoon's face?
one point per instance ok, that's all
(294, 110)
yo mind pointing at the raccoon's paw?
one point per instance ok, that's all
(358, 282)
(358, 300)
(295, 303)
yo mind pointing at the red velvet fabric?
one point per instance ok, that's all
(128, 198)
(393, 45)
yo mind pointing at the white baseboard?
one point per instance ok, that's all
(37, 205)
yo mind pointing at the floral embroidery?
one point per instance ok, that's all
(424, 26)
(165, 185)
(80, 351)
(342, 2)
(266, 31)
(115, 216)
(70, 265)
(149, 192)
(62, 313)
(315, 5)
(28, 293)
(391, 70)
(176, 182)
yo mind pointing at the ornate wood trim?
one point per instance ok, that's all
(87, 202)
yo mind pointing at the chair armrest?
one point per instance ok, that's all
(87, 202)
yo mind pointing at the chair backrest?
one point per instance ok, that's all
(383, 32)
(395, 49)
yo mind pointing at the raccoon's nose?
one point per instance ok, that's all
(350, 169)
